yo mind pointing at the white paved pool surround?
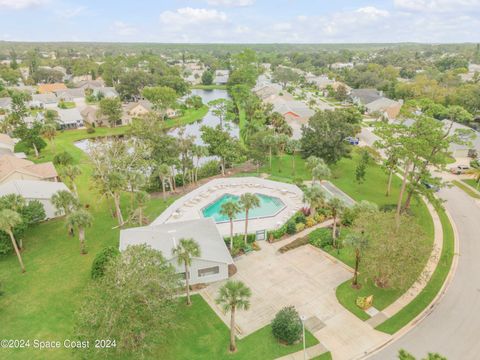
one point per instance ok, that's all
(190, 206)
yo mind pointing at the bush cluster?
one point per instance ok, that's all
(101, 261)
(287, 326)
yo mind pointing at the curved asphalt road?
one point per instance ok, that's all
(453, 327)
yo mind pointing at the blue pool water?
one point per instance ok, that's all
(269, 206)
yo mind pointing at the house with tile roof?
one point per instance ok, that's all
(14, 168)
(51, 88)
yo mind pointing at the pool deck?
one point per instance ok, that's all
(190, 206)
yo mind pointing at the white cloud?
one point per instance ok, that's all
(437, 5)
(188, 15)
(232, 3)
(21, 4)
(123, 29)
(70, 13)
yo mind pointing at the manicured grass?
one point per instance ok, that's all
(426, 296)
(210, 87)
(40, 303)
(324, 356)
(372, 189)
(190, 116)
(461, 185)
(472, 183)
(68, 105)
(202, 335)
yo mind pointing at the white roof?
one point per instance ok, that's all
(70, 116)
(32, 189)
(165, 237)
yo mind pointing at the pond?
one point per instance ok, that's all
(192, 129)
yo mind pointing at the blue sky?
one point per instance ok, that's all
(241, 21)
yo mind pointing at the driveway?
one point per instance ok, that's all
(305, 278)
(453, 326)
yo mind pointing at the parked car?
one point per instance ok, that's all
(460, 169)
(432, 187)
(352, 140)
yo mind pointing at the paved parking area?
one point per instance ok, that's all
(305, 278)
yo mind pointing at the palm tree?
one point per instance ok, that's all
(141, 199)
(336, 206)
(71, 172)
(321, 171)
(293, 146)
(232, 296)
(271, 141)
(230, 209)
(248, 201)
(164, 173)
(65, 203)
(8, 220)
(475, 171)
(185, 251)
(80, 219)
(358, 241)
(315, 197)
(49, 130)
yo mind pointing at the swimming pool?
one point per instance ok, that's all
(269, 206)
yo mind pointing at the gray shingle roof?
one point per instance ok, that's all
(366, 96)
(165, 237)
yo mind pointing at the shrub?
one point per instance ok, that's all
(319, 218)
(63, 158)
(299, 218)
(291, 227)
(287, 326)
(90, 130)
(278, 233)
(310, 221)
(299, 227)
(321, 238)
(102, 259)
(210, 168)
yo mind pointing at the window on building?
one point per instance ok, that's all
(208, 271)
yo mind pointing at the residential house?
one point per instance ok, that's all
(7, 145)
(42, 101)
(70, 118)
(41, 191)
(51, 88)
(340, 65)
(88, 83)
(90, 116)
(221, 77)
(471, 137)
(214, 261)
(13, 168)
(139, 108)
(376, 103)
(70, 95)
(107, 92)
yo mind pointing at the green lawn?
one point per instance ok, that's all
(204, 336)
(469, 191)
(68, 105)
(426, 296)
(40, 303)
(372, 189)
(210, 87)
(472, 183)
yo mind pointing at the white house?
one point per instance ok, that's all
(35, 190)
(221, 77)
(70, 118)
(213, 263)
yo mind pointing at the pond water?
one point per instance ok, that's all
(192, 129)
